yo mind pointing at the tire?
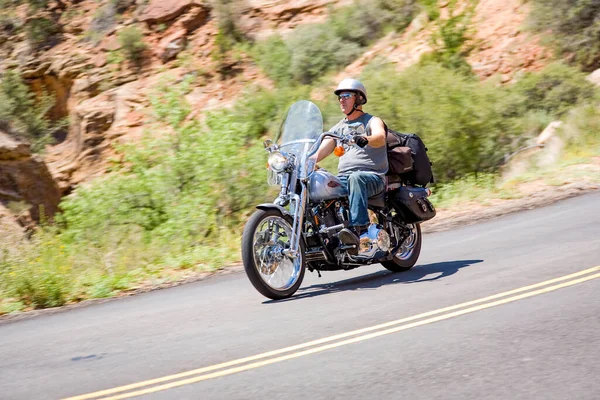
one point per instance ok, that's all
(409, 252)
(262, 257)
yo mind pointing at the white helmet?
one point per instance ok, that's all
(353, 85)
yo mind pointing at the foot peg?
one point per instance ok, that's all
(349, 238)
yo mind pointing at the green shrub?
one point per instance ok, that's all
(121, 6)
(554, 90)
(9, 22)
(176, 201)
(394, 14)
(180, 190)
(313, 50)
(18, 106)
(262, 110)
(38, 279)
(228, 33)
(449, 46)
(132, 43)
(573, 26)
(228, 14)
(38, 4)
(8, 4)
(582, 130)
(461, 121)
(431, 7)
(367, 20)
(316, 50)
(468, 126)
(275, 58)
(41, 31)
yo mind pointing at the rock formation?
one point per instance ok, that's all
(26, 185)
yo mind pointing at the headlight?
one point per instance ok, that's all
(278, 161)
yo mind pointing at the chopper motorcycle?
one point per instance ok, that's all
(300, 229)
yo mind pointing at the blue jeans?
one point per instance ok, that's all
(360, 186)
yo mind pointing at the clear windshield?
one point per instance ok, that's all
(302, 127)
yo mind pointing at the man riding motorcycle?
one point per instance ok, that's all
(363, 166)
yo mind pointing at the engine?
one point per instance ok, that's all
(374, 243)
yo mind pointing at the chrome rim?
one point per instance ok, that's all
(271, 237)
(407, 248)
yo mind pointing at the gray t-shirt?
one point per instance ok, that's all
(372, 159)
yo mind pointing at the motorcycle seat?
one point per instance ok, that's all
(378, 200)
(392, 182)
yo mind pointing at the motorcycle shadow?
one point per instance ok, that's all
(420, 273)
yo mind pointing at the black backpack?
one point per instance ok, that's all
(407, 157)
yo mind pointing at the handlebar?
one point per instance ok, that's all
(345, 139)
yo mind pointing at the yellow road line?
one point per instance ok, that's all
(229, 371)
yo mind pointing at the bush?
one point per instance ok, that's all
(573, 27)
(37, 279)
(38, 4)
(121, 6)
(582, 129)
(316, 50)
(262, 109)
(41, 31)
(132, 43)
(313, 50)
(275, 59)
(228, 14)
(554, 90)
(468, 126)
(461, 121)
(176, 201)
(449, 46)
(431, 8)
(7, 4)
(367, 20)
(395, 14)
(19, 108)
(9, 22)
(181, 190)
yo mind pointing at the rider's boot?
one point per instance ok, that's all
(351, 237)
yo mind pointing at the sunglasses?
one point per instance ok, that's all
(345, 96)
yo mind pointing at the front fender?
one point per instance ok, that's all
(267, 206)
(283, 211)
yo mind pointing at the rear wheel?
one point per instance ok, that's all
(266, 235)
(409, 251)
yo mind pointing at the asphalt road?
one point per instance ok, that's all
(506, 309)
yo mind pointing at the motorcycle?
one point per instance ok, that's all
(300, 229)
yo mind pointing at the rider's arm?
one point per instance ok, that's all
(377, 138)
(325, 149)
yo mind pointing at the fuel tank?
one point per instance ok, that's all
(324, 186)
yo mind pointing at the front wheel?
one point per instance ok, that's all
(266, 235)
(409, 251)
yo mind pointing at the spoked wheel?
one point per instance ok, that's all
(409, 252)
(266, 235)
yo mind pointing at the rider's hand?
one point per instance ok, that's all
(361, 141)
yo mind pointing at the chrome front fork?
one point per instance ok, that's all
(299, 204)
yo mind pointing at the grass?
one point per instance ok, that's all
(64, 274)
(488, 189)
